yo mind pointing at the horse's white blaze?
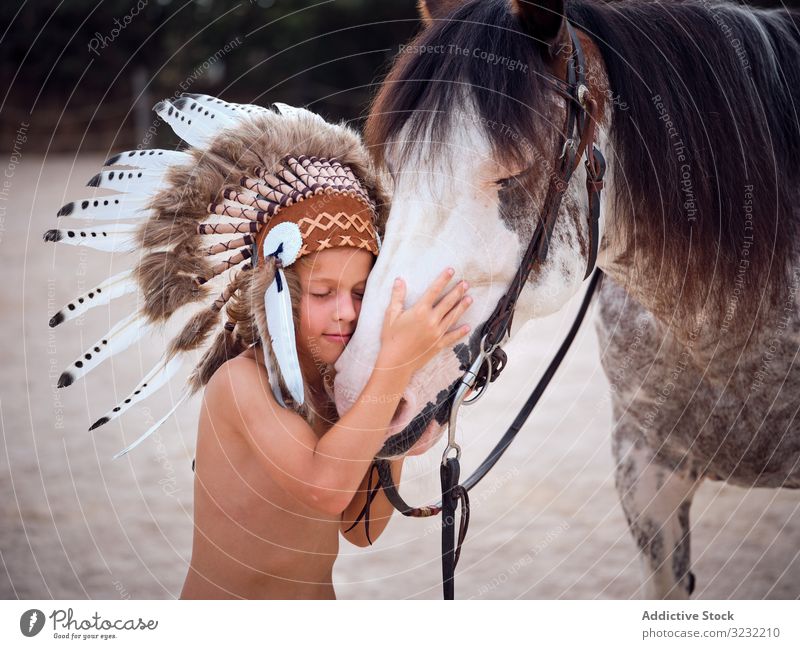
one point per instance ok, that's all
(440, 217)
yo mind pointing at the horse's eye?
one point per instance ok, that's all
(518, 177)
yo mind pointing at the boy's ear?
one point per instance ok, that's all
(430, 10)
(544, 20)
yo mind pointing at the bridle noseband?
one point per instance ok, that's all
(577, 141)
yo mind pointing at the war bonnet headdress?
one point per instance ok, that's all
(269, 186)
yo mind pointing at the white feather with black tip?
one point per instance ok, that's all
(150, 158)
(283, 242)
(131, 181)
(194, 128)
(113, 237)
(115, 286)
(235, 111)
(274, 377)
(121, 336)
(155, 426)
(156, 378)
(108, 208)
(293, 111)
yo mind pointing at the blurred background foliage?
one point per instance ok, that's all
(321, 54)
(85, 74)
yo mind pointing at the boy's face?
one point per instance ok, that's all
(333, 283)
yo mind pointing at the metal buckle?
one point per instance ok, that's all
(467, 382)
(569, 143)
(583, 95)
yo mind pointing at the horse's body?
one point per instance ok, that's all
(699, 312)
(689, 410)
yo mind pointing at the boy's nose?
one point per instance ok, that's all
(345, 309)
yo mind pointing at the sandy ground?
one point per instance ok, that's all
(545, 524)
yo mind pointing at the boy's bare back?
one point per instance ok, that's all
(252, 539)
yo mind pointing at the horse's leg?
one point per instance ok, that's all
(656, 498)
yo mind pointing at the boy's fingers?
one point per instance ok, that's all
(450, 300)
(398, 295)
(452, 337)
(435, 289)
(456, 312)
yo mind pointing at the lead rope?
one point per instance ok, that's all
(371, 493)
(452, 494)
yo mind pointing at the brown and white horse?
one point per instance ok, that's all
(698, 312)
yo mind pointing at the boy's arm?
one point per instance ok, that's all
(380, 511)
(323, 472)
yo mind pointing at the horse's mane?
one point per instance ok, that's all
(421, 90)
(706, 177)
(729, 82)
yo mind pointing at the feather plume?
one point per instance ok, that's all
(150, 158)
(178, 230)
(234, 111)
(278, 305)
(194, 128)
(119, 206)
(121, 336)
(130, 181)
(195, 332)
(224, 347)
(227, 228)
(120, 284)
(155, 426)
(245, 197)
(227, 264)
(113, 237)
(293, 111)
(167, 280)
(238, 211)
(274, 376)
(156, 378)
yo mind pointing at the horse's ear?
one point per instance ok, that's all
(544, 20)
(430, 10)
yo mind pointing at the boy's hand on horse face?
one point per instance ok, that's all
(412, 337)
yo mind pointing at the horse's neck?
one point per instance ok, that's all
(722, 344)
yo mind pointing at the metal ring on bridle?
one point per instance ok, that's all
(568, 144)
(484, 356)
(583, 95)
(466, 383)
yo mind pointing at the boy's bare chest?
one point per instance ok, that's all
(253, 517)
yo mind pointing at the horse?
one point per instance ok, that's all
(698, 313)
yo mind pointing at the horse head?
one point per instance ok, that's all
(470, 127)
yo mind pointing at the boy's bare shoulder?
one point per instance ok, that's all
(236, 379)
(240, 392)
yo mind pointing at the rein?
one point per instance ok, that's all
(578, 140)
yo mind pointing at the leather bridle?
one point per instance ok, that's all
(577, 141)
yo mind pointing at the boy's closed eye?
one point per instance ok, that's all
(319, 293)
(359, 295)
